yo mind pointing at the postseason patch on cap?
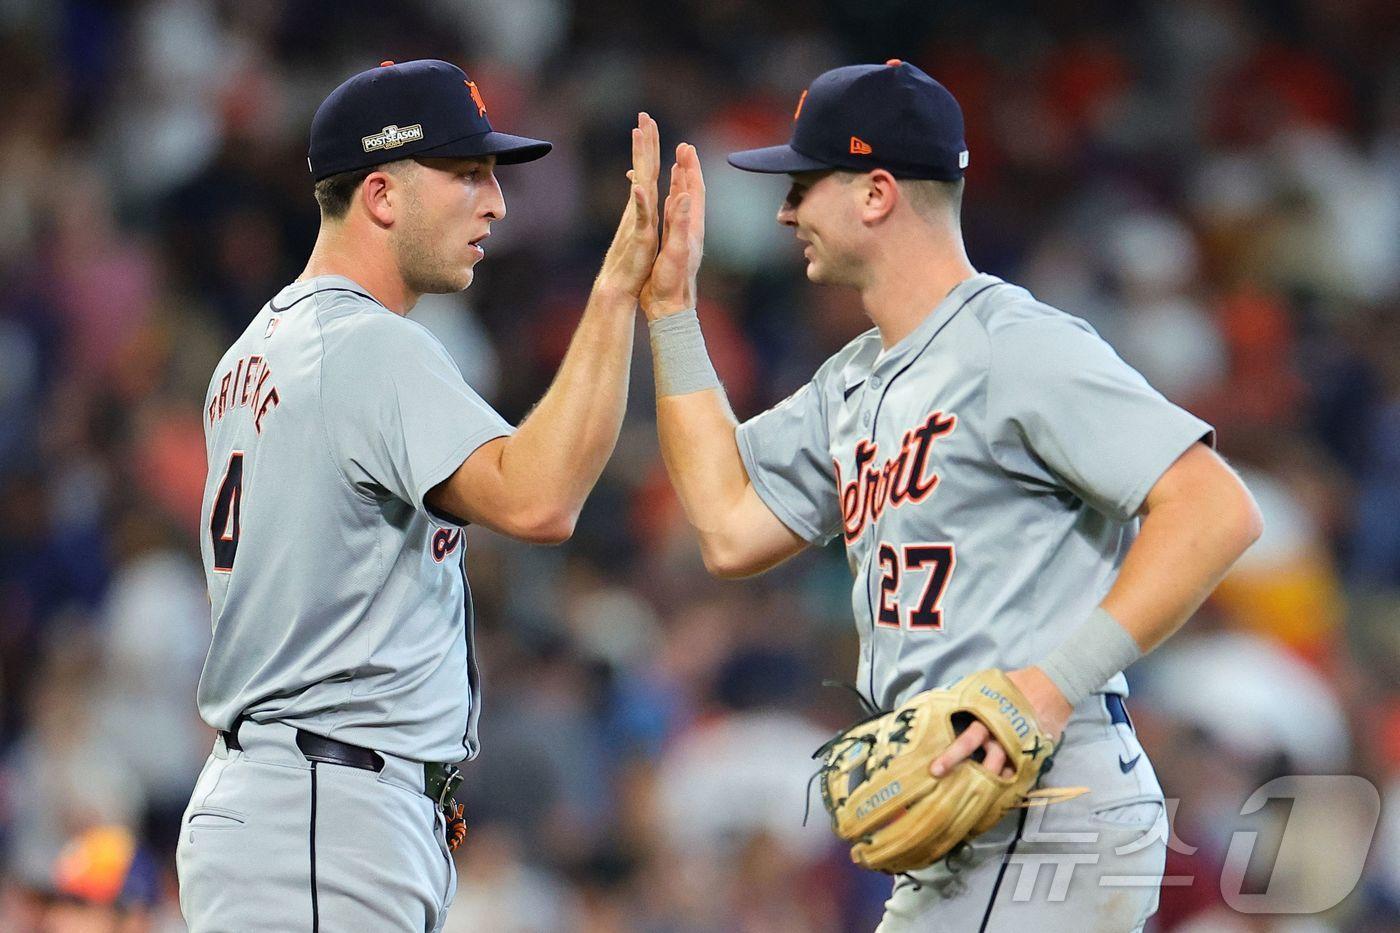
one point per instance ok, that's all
(391, 137)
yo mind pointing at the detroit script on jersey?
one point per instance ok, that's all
(901, 478)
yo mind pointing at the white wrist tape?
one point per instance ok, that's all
(678, 355)
(1092, 653)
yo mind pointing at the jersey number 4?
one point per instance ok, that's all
(939, 561)
(224, 523)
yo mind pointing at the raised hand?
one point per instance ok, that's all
(630, 257)
(671, 287)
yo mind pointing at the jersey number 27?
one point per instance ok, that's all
(938, 559)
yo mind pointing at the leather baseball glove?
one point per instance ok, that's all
(876, 784)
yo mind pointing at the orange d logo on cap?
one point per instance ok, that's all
(800, 101)
(476, 99)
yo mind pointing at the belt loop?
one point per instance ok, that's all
(230, 736)
(1117, 710)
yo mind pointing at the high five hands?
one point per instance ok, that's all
(671, 287)
(659, 271)
(629, 259)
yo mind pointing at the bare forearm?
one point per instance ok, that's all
(1183, 550)
(701, 453)
(1198, 520)
(564, 443)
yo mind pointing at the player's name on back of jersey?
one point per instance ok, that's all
(245, 385)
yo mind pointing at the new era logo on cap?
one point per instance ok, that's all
(863, 117)
(392, 137)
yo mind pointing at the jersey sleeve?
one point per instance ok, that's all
(787, 453)
(399, 415)
(1064, 409)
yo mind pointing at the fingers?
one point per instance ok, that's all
(675, 235)
(646, 151)
(646, 166)
(677, 224)
(677, 187)
(974, 737)
(995, 760)
(677, 178)
(688, 157)
(963, 746)
(693, 180)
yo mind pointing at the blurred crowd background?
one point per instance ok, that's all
(1214, 184)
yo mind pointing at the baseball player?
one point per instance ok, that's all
(346, 453)
(1010, 494)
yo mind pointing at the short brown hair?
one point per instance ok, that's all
(934, 199)
(334, 193)
(931, 199)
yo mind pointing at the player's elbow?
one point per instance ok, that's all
(1246, 521)
(546, 526)
(1234, 516)
(724, 559)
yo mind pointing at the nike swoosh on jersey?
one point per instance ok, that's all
(1126, 766)
(852, 390)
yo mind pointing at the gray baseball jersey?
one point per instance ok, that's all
(339, 600)
(985, 473)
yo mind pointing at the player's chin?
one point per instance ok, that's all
(464, 274)
(445, 283)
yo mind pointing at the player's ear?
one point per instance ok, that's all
(380, 193)
(878, 194)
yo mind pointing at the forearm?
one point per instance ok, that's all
(1197, 521)
(561, 447)
(701, 454)
(695, 426)
(1183, 550)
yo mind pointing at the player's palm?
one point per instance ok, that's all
(672, 287)
(633, 250)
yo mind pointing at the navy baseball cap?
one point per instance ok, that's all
(864, 117)
(421, 108)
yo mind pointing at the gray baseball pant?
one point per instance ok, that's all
(274, 842)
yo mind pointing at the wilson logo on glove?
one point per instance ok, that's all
(1010, 711)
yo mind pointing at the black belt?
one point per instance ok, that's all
(1117, 712)
(440, 781)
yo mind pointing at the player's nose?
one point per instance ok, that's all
(494, 207)
(787, 214)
